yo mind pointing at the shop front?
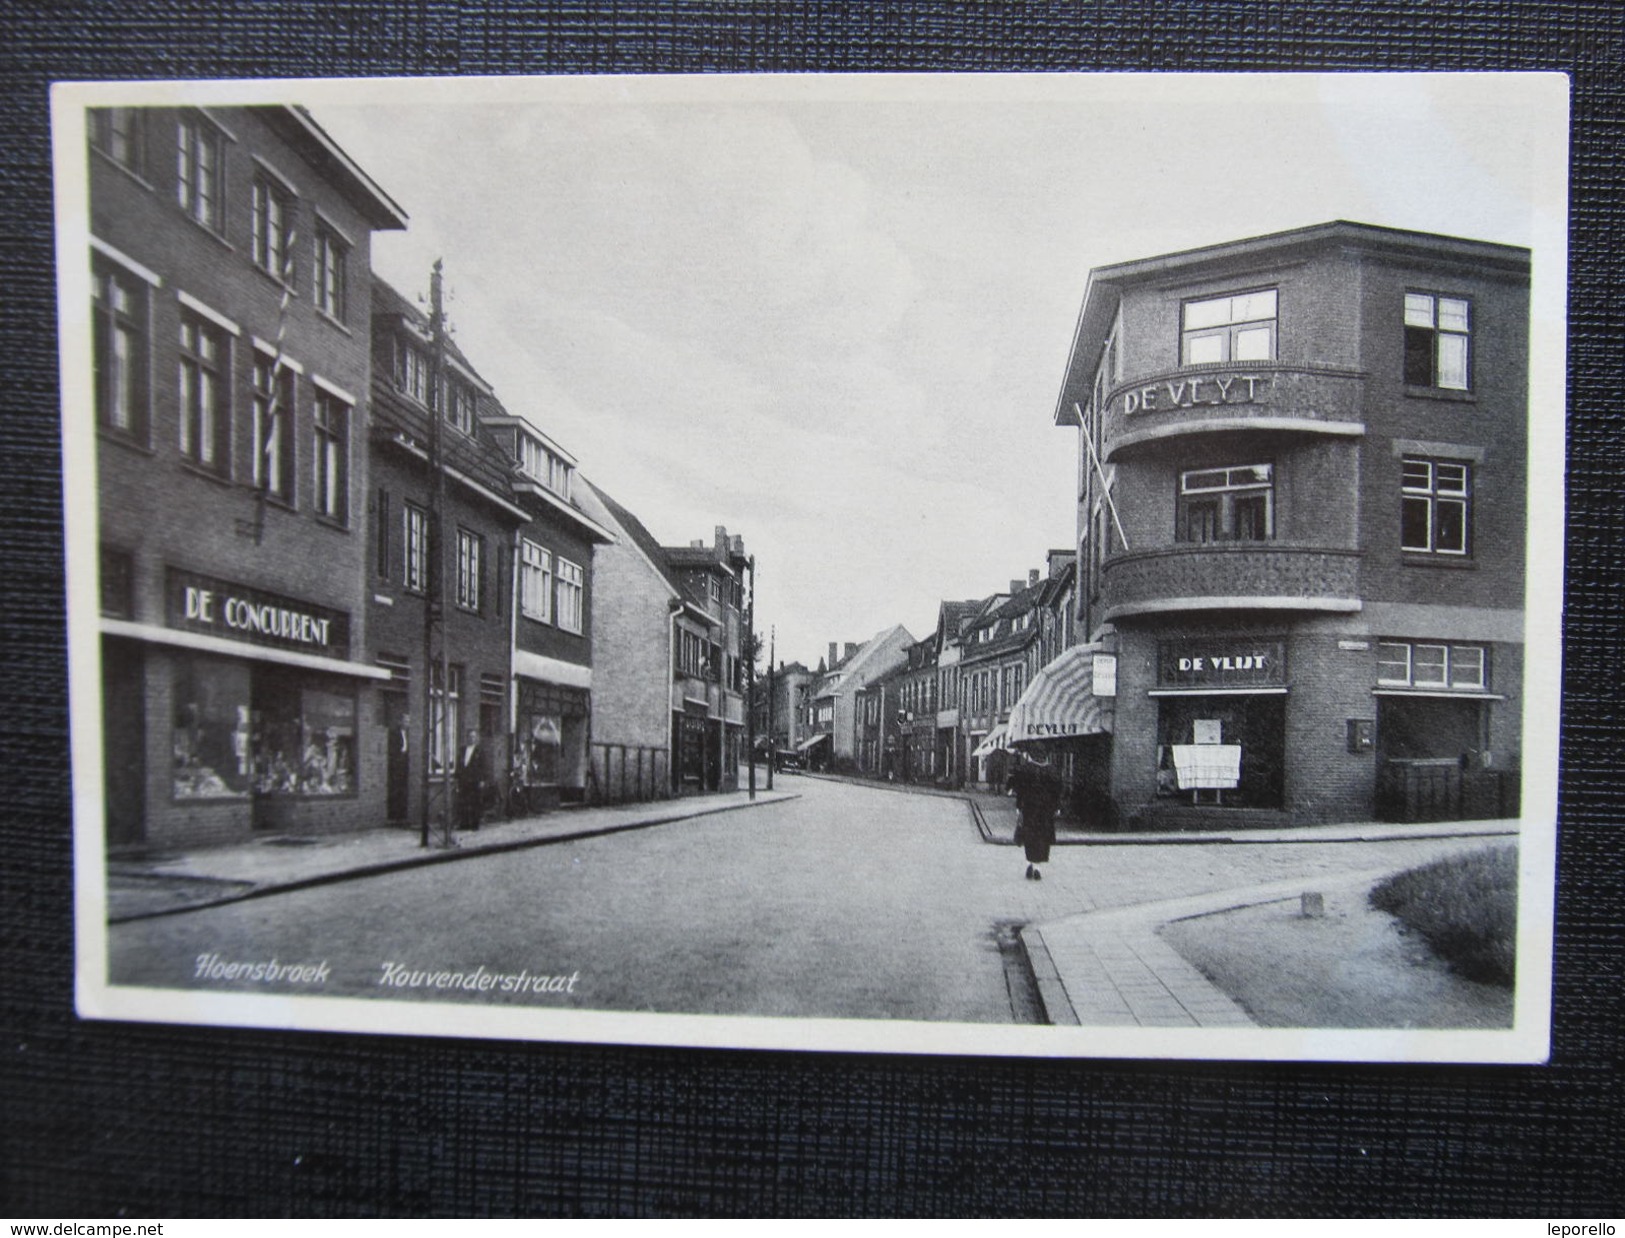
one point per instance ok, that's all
(1221, 722)
(550, 743)
(241, 716)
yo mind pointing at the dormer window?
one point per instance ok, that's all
(544, 467)
(412, 371)
(460, 406)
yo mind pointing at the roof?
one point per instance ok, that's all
(640, 536)
(329, 158)
(1101, 292)
(402, 421)
(951, 614)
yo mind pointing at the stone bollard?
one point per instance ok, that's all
(1312, 906)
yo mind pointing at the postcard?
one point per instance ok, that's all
(1051, 565)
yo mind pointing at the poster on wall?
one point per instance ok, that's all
(587, 572)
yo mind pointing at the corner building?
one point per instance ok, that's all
(1301, 526)
(230, 265)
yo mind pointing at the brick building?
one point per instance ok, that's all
(1301, 524)
(231, 275)
(708, 692)
(479, 525)
(912, 706)
(555, 598)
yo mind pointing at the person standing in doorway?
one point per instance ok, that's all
(1038, 795)
(399, 767)
(471, 780)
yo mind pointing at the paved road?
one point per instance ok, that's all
(850, 902)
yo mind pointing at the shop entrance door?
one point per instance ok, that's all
(124, 744)
(1427, 750)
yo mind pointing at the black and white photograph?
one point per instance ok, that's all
(1050, 565)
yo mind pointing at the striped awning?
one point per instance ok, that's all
(816, 739)
(994, 742)
(1060, 701)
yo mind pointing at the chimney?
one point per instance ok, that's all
(722, 539)
(851, 648)
(1015, 587)
(697, 544)
(832, 648)
(1032, 577)
(1059, 561)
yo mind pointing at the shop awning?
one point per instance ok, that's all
(1060, 702)
(995, 742)
(805, 744)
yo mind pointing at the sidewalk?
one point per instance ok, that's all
(173, 882)
(995, 816)
(1111, 969)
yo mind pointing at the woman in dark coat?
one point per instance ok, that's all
(1038, 795)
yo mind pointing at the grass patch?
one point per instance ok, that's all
(1466, 907)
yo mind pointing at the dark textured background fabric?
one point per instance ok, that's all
(98, 1119)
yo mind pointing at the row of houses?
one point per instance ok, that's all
(333, 563)
(1297, 590)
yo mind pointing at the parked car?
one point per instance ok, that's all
(787, 760)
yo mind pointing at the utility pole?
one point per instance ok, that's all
(434, 607)
(750, 675)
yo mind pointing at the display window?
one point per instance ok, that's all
(1224, 751)
(212, 736)
(242, 731)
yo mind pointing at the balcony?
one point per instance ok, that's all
(1212, 398)
(1231, 576)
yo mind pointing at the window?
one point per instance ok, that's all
(543, 467)
(205, 401)
(332, 456)
(273, 222)
(1233, 328)
(1234, 504)
(1434, 506)
(460, 406)
(415, 547)
(412, 371)
(690, 654)
(119, 307)
(445, 716)
(332, 255)
(213, 736)
(273, 427)
(1436, 335)
(304, 740)
(120, 134)
(383, 546)
(1416, 665)
(470, 556)
(117, 583)
(535, 582)
(571, 595)
(200, 165)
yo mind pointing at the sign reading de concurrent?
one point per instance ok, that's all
(238, 612)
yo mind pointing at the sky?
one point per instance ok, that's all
(833, 313)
